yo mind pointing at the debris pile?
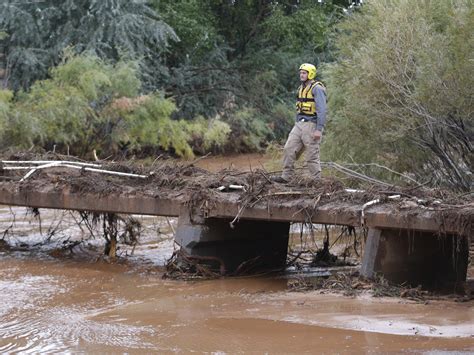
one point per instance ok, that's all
(352, 284)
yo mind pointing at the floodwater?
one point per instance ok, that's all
(56, 301)
(53, 302)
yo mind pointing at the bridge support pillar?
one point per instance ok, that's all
(250, 244)
(416, 257)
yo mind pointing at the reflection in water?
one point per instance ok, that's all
(77, 303)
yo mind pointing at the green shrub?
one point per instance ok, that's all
(249, 132)
(150, 124)
(89, 104)
(207, 135)
(401, 90)
(6, 97)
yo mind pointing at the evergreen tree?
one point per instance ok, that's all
(38, 32)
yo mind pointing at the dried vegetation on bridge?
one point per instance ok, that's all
(197, 187)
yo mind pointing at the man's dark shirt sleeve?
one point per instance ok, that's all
(319, 94)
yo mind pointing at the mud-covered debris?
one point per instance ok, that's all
(4, 246)
(352, 284)
(169, 179)
(182, 266)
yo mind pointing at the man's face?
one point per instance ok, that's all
(303, 75)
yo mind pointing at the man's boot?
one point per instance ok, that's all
(279, 179)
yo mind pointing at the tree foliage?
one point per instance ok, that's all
(39, 31)
(217, 75)
(242, 56)
(90, 104)
(401, 90)
(213, 58)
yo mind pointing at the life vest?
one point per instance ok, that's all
(305, 104)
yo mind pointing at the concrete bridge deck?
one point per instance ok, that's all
(397, 213)
(409, 238)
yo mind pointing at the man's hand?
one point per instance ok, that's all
(317, 135)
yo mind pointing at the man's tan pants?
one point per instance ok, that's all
(302, 136)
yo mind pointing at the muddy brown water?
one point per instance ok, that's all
(56, 306)
(59, 302)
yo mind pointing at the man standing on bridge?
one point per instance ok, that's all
(307, 131)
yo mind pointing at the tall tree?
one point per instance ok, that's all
(242, 54)
(38, 32)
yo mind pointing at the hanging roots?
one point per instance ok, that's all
(115, 229)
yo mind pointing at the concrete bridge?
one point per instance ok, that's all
(407, 240)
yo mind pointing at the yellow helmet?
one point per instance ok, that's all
(310, 68)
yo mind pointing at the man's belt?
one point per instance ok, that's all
(307, 119)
